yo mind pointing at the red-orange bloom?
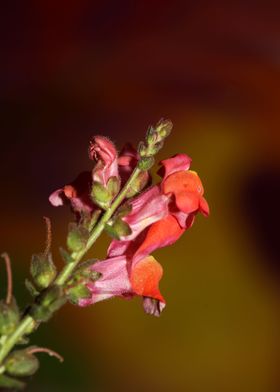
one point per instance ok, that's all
(158, 218)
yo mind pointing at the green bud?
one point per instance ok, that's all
(113, 186)
(138, 184)
(163, 128)
(146, 163)
(9, 317)
(11, 383)
(43, 270)
(77, 238)
(118, 229)
(21, 363)
(78, 292)
(100, 195)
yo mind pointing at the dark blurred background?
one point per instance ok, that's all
(72, 69)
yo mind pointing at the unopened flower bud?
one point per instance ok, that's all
(21, 363)
(9, 317)
(146, 163)
(43, 270)
(77, 238)
(163, 128)
(118, 229)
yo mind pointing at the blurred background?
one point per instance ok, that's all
(72, 69)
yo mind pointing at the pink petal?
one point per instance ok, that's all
(103, 151)
(76, 193)
(57, 198)
(113, 282)
(147, 208)
(177, 163)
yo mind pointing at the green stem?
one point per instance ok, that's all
(65, 274)
(68, 269)
(24, 325)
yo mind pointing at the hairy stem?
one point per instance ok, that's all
(28, 321)
(9, 278)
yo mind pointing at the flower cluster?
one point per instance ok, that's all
(150, 220)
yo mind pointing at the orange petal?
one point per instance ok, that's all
(183, 181)
(145, 277)
(187, 201)
(162, 233)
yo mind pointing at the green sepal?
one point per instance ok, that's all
(78, 292)
(31, 288)
(9, 317)
(146, 163)
(100, 195)
(113, 186)
(21, 363)
(11, 383)
(118, 229)
(43, 270)
(124, 210)
(138, 184)
(77, 237)
(65, 256)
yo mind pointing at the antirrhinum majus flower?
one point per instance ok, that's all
(157, 219)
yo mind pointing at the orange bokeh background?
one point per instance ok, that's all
(72, 69)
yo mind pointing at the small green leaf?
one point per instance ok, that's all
(31, 288)
(65, 256)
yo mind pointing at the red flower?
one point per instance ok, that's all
(158, 218)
